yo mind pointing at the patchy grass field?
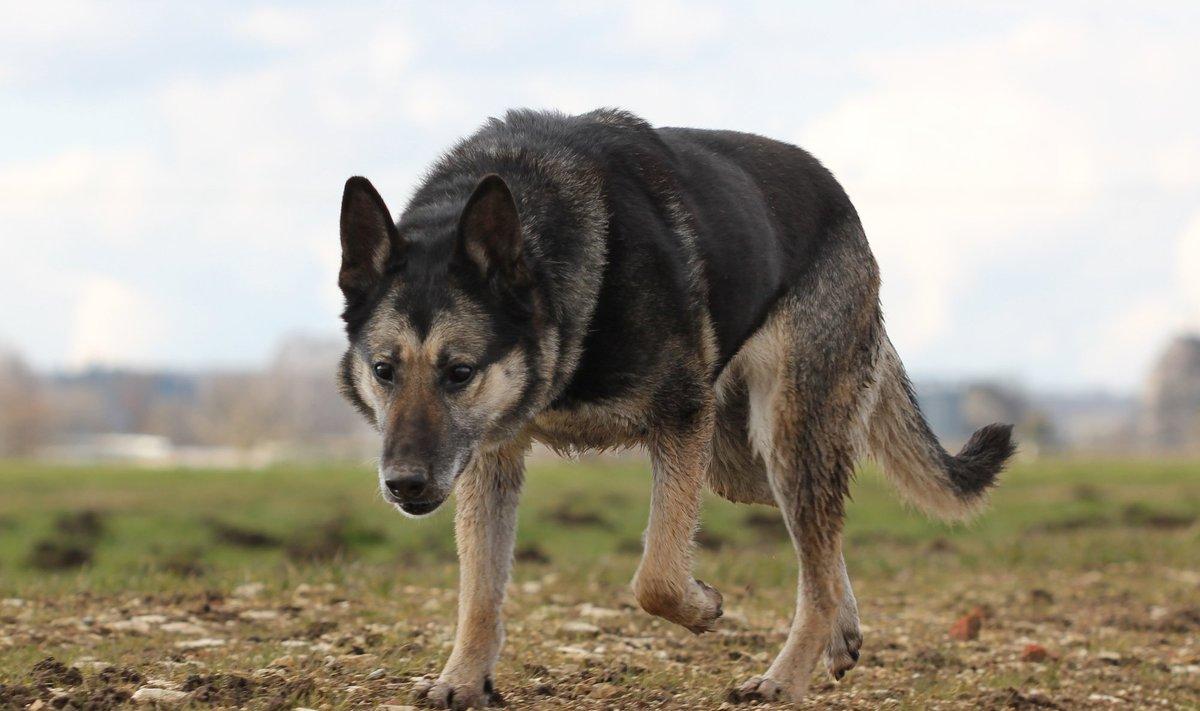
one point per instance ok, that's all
(299, 587)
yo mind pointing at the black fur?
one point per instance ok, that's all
(975, 468)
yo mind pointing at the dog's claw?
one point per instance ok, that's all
(709, 611)
(842, 652)
(759, 688)
(444, 694)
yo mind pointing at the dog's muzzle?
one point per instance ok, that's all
(411, 489)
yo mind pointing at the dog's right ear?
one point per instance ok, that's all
(369, 239)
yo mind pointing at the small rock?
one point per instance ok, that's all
(397, 707)
(164, 697)
(1109, 657)
(604, 691)
(585, 628)
(967, 627)
(377, 674)
(149, 619)
(1105, 698)
(357, 660)
(1186, 669)
(260, 615)
(183, 628)
(574, 652)
(204, 643)
(589, 610)
(249, 590)
(134, 625)
(1034, 653)
(1041, 596)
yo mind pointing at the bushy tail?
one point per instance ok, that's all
(951, 487)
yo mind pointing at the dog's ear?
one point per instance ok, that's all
(370, 239)
(489, 232)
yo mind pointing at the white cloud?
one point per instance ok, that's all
(276, 26)
(1187, 270)
(114, 324)
(102, 192)
(995, 149)
(672, 26)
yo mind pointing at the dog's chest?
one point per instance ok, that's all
(589, 427)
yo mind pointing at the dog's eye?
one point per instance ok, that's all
(459, 374)
(384, 371)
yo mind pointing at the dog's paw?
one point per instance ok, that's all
(760, 688)
(705, 607)
(698, 607)
(841, 654)
(446, 694)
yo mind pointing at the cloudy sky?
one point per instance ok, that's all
(1028, 173)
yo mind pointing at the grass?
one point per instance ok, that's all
(1099, 562)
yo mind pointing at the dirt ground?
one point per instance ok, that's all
(1081, 590)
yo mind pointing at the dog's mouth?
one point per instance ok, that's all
(419, 508)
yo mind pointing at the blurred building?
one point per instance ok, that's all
(290, 410)
(1170, 412)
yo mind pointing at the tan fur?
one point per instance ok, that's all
(485, 527)
(664, 585)
(909, 462)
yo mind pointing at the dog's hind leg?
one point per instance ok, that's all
(485, 527)
(841, 654)
(810, 485)
(806, 379)
(680, 452)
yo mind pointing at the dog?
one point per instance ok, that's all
(590, 282)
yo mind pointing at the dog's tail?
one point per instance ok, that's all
(951, 487)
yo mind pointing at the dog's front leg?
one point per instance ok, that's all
(485, 526)
(664, 585)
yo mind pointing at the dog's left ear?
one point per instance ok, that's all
(489, 232)
(369, 240)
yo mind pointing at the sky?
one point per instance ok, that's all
(1028, 173)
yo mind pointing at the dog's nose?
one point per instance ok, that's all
(406, 484)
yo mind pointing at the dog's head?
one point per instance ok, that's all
(442, 319)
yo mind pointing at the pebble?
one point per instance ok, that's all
(1034, 653)
(574, 627)
(967, 627)
(604, 690)
(377, 674)
(249, 590)
(204, 643)
(183, 628)
(356, 660)
(589, 610)
(1109, 657)
(260, 615)
(165, 697)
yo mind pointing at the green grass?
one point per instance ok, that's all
(1104, 537)
(1073, 514)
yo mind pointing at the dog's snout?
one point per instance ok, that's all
(406, 484)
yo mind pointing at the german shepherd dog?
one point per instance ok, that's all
(591, 282)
